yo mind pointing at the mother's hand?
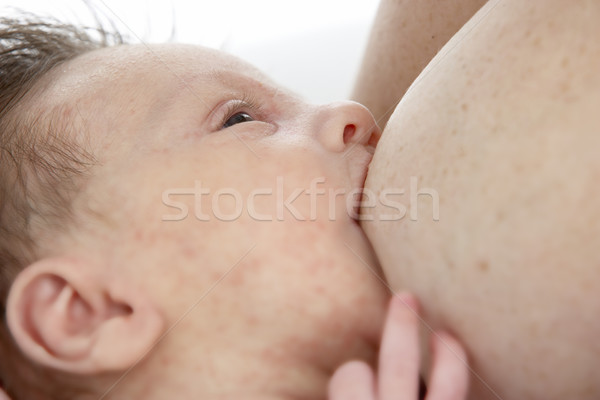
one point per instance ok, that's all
(398, 370)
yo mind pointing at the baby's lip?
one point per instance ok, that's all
(367, 157)
(361, 175)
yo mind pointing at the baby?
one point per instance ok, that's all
(174, 225)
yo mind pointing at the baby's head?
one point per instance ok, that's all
(170, 214)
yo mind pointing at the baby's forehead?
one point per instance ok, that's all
(147, 67)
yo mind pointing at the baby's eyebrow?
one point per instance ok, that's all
(193, 86)
(248, 80)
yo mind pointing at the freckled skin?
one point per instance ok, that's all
(505, 128)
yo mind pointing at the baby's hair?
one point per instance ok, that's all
(41, 168)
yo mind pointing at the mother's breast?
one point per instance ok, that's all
(484, 194)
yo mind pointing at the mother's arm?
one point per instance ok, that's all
(406, 34)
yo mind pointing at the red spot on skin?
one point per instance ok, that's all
(240, 277)
(252, 321)
(189, 252)
(319, 290)
(483, 266)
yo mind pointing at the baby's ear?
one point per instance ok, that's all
(66, 315)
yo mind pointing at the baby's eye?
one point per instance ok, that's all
(237, 118)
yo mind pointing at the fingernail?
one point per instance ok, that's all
(407, 300)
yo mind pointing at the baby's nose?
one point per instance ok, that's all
(344, 124)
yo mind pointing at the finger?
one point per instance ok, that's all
(352, 381)
(450, 372)
(399, 354)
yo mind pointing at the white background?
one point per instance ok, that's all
(313, 47)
